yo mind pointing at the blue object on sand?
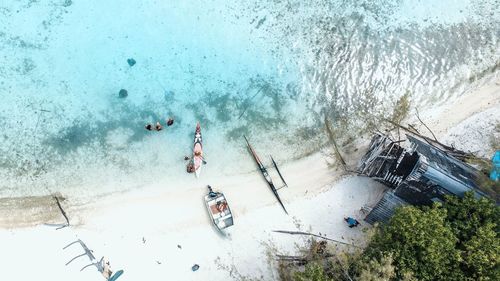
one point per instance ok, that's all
(116, 275)
(495, 172)
(352, 222)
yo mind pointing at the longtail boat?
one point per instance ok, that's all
(197, 151)
(265, 174)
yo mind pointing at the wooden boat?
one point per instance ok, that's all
(218, 209)
(197, 151)
(102, 265)
(265, 174)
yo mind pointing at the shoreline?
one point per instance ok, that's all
(318, 197)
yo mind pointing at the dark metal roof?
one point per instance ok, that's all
(385, 208)
(446, 171)
(445, 163)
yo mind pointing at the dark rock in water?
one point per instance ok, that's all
(131, 62)
(123, 94)
(195, 267)
(67, 3)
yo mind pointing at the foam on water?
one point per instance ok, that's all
(279, 65)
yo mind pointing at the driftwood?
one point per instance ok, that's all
(418, 117)
(297, 259)
(449, 150)
(63, 213)
(315, 235)
(415, 131)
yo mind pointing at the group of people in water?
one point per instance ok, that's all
(158, 127)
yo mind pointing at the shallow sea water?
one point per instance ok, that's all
(270, 70)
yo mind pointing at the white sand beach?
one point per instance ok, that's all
(159, 232)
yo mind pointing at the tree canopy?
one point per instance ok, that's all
(456, 240)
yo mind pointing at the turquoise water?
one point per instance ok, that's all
(267, 69)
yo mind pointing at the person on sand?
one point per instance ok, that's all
(149, 127)
(352, 222)
(158, 126)
(170, 121)
(106, 269)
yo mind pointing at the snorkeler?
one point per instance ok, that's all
(190, 167)
(170, 121)
(158, 126)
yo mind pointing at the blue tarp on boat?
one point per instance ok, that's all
(495, 172)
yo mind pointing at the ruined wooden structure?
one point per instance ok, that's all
(420, 173)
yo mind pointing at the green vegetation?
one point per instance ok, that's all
(457, 240)
(420, 243)
(313, 271)
(401, 108)
(483, 177)
(494, 139)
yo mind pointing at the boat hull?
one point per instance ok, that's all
(197, 151)
(218, 210)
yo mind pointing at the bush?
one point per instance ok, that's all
(457, 240)
(454, 241)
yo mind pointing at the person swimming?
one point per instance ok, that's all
(170, 121)
(190, 167)
(149, 127)
(158, 126)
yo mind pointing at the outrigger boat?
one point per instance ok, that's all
(218, 209)
(102, 265)
(264, 172)
(197, 151)
(278, 170)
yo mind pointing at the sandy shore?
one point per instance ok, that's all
(116, 226)
(161, 232)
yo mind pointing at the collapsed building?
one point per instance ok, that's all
(419, 174)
